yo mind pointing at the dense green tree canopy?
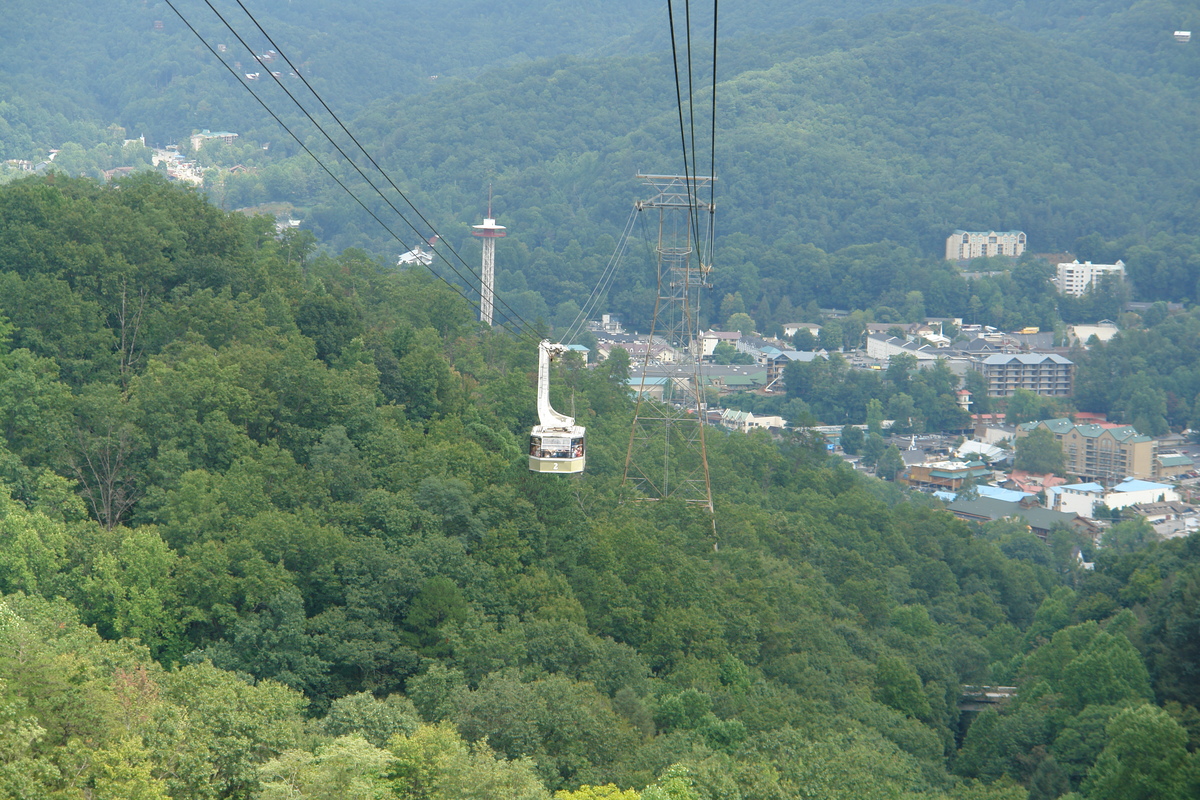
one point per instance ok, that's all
(1039, 452)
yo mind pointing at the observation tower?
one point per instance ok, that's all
(489, 231)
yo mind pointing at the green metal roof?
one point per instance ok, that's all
(1126, 434)
(1062, 425)
(1035, 516)
(974, 472)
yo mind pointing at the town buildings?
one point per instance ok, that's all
(776, 362)
(882, 347)
(791, 328)
(1171, 465)
(1082, 498)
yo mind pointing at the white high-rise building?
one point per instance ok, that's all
(1075, 279)
(965, 245)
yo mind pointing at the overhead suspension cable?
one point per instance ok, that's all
(370, 158)
(468, 281)
(690, 162)
(604, 282)
(521, 327)
(690, 158)
(679, 95)
(712, 140)
(695, 211)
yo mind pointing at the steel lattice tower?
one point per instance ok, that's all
(667, 456)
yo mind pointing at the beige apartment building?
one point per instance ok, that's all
(965, 245)
(1105, 454)
(205, 136)
(1047, 374)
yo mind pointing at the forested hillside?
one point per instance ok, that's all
(270, 534)
(108, 62)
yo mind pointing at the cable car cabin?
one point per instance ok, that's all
(556, 449)
(557, 445)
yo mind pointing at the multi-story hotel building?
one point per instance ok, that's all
(1075, 279)
(1102, 453)
(965, 245)
(1047, 374)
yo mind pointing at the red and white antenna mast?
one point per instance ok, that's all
(489, 231)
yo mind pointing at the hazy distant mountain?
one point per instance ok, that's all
(137, 64)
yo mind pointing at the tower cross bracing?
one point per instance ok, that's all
(667, 457)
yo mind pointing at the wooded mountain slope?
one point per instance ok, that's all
(271, 534)
(900, 127)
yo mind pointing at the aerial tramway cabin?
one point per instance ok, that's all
(557, 445)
